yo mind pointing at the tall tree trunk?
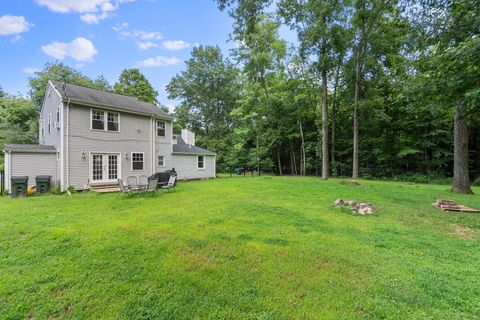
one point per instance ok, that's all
(334, 115)
(302, 155)
(461, 180)
(325, 156)
(356, 113)
(280, 171)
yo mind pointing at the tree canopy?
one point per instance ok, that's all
(133, 83)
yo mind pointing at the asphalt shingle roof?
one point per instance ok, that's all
(182, 147)
(108, 99)
(29, 148)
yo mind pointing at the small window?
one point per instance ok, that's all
(49, 123)
(201, 162)
(112, 121)
(58, 114)
(160, 128)
(137, 161)
(161, 161)
(98, 120)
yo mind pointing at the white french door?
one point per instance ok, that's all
(105, 167)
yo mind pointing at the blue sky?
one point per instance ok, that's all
(106, 36)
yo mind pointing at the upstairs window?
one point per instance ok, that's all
(58, 114)
(112, 121)
(105, 121)
(200, 162)
(98, 120)
(137, 161)
(160, 128)
(49, 123)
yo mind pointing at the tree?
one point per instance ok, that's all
(207, 90)
(133, 83)
(320, 27)
(18, 121)
(60, 72)
(450, 72)
(2, 93)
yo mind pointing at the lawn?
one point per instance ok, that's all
(241, 248)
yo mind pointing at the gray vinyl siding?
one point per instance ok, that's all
(163, 147)
(51, 101)
(186, 167)
(32, 165)
(134, 136)
(7, 166)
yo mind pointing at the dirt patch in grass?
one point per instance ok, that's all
(464, 232)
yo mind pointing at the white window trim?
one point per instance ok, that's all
(164, 164)
(164, 128)
(131, 162)
(105, 120)
(119, 164)
(201, 168)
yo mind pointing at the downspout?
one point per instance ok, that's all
(152, 146)
(67, 156)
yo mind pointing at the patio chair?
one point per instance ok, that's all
(143, 181)
(151, 186)
(132, 182)
(170, 184)
(124, 191)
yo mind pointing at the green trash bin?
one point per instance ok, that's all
(19, 186)
(43, 183)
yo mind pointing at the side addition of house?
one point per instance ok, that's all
(87, 136)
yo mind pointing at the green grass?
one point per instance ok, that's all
(241, 248)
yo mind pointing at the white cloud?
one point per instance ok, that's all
(175, 45)
(92, 11)
(144, 39)
(141, 34)
(146, 45)
(80, 49)
(120, 26)
(30, 70)
(159, 61)
(11, 25)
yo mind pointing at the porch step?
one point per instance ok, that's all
(104, 187)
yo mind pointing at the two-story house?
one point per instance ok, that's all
(88, 136)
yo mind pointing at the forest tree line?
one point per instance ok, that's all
(371, 88)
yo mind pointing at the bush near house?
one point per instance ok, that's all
(241, 248)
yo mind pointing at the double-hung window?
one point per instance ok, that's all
(160, 128)
(161, 161)
(137, 161)
(112, 121)
(200, 162)
(98, 121)
(105, 121)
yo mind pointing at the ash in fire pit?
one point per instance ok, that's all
(357, 207)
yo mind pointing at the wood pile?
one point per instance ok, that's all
(450, 205)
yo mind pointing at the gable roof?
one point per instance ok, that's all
(29, 148)
(183, 148)
(112, 100)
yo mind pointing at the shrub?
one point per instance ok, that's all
(56, 189)
(476, 182)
